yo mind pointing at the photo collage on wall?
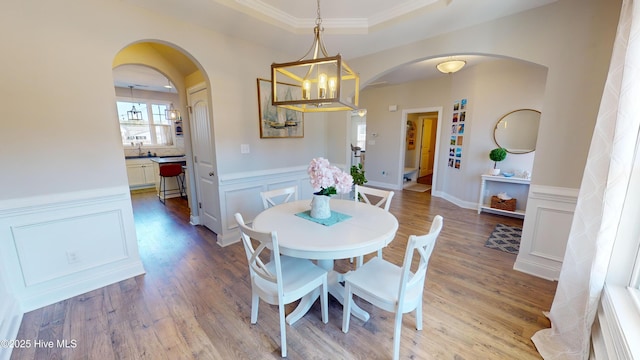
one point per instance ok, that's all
(458, 122)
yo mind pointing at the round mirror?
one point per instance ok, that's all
(517, 131)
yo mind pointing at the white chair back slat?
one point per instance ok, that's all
(302, 277)
(366, 283)
(362, 193)
(278, 196)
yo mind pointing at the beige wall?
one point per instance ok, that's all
(59, 83)
(60, 70)
(385, 132)
(572, 38)
(492, 89)
(60, 135)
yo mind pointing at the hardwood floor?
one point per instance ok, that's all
(194, 300)
(428, 179)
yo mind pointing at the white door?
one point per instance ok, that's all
(204, 161)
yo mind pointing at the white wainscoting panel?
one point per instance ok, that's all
(240, 192)
(59, 246)
(546, 230)
(10, 318)
(82, 242)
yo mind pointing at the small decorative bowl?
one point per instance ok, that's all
(507, 174)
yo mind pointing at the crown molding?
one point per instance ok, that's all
(352, 25)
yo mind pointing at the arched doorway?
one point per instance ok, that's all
(184, 74)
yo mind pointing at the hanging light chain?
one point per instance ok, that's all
(319, 18)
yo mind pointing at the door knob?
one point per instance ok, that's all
(211, 173)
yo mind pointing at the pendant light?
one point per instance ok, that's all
(313, 83)
(133, 114)
(171, 113)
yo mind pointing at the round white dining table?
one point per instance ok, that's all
(368, 229)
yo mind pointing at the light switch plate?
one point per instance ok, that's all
(244, 148)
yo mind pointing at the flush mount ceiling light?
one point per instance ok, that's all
(133, 114)
(171, 113)
(451, 66)
(315, 84)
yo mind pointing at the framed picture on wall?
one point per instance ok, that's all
(278, 122)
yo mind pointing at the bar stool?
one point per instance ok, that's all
(168, 171)
(357, 153)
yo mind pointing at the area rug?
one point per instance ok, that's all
(505, 238)
(418, 187)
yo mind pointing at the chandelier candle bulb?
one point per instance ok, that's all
(322, 86)
(306, 89)
(332, 87)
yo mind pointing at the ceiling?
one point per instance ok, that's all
(353, 28)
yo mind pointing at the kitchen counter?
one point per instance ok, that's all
(170, 160)
(147, 156)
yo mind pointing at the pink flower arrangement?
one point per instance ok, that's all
(327, 179)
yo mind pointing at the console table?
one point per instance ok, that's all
(517, 188)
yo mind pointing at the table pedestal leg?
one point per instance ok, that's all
(335, 289)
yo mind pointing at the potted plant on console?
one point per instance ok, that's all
(496, 155)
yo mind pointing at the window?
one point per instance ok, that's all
(619, 314)
(362, 135)
(154, 129)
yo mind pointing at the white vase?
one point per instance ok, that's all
(320, 207)
(494, 172)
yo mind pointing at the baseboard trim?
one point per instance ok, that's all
(229, 238)
(537, 269)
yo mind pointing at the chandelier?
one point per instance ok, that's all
(133, 114)
(313, 83)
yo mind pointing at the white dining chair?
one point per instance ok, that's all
(369, 196)
(391, 287)
(282, 280)
(279, 196)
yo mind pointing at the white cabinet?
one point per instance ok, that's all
(141, 173)
(516, 188)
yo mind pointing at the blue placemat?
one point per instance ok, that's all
(335, 217)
